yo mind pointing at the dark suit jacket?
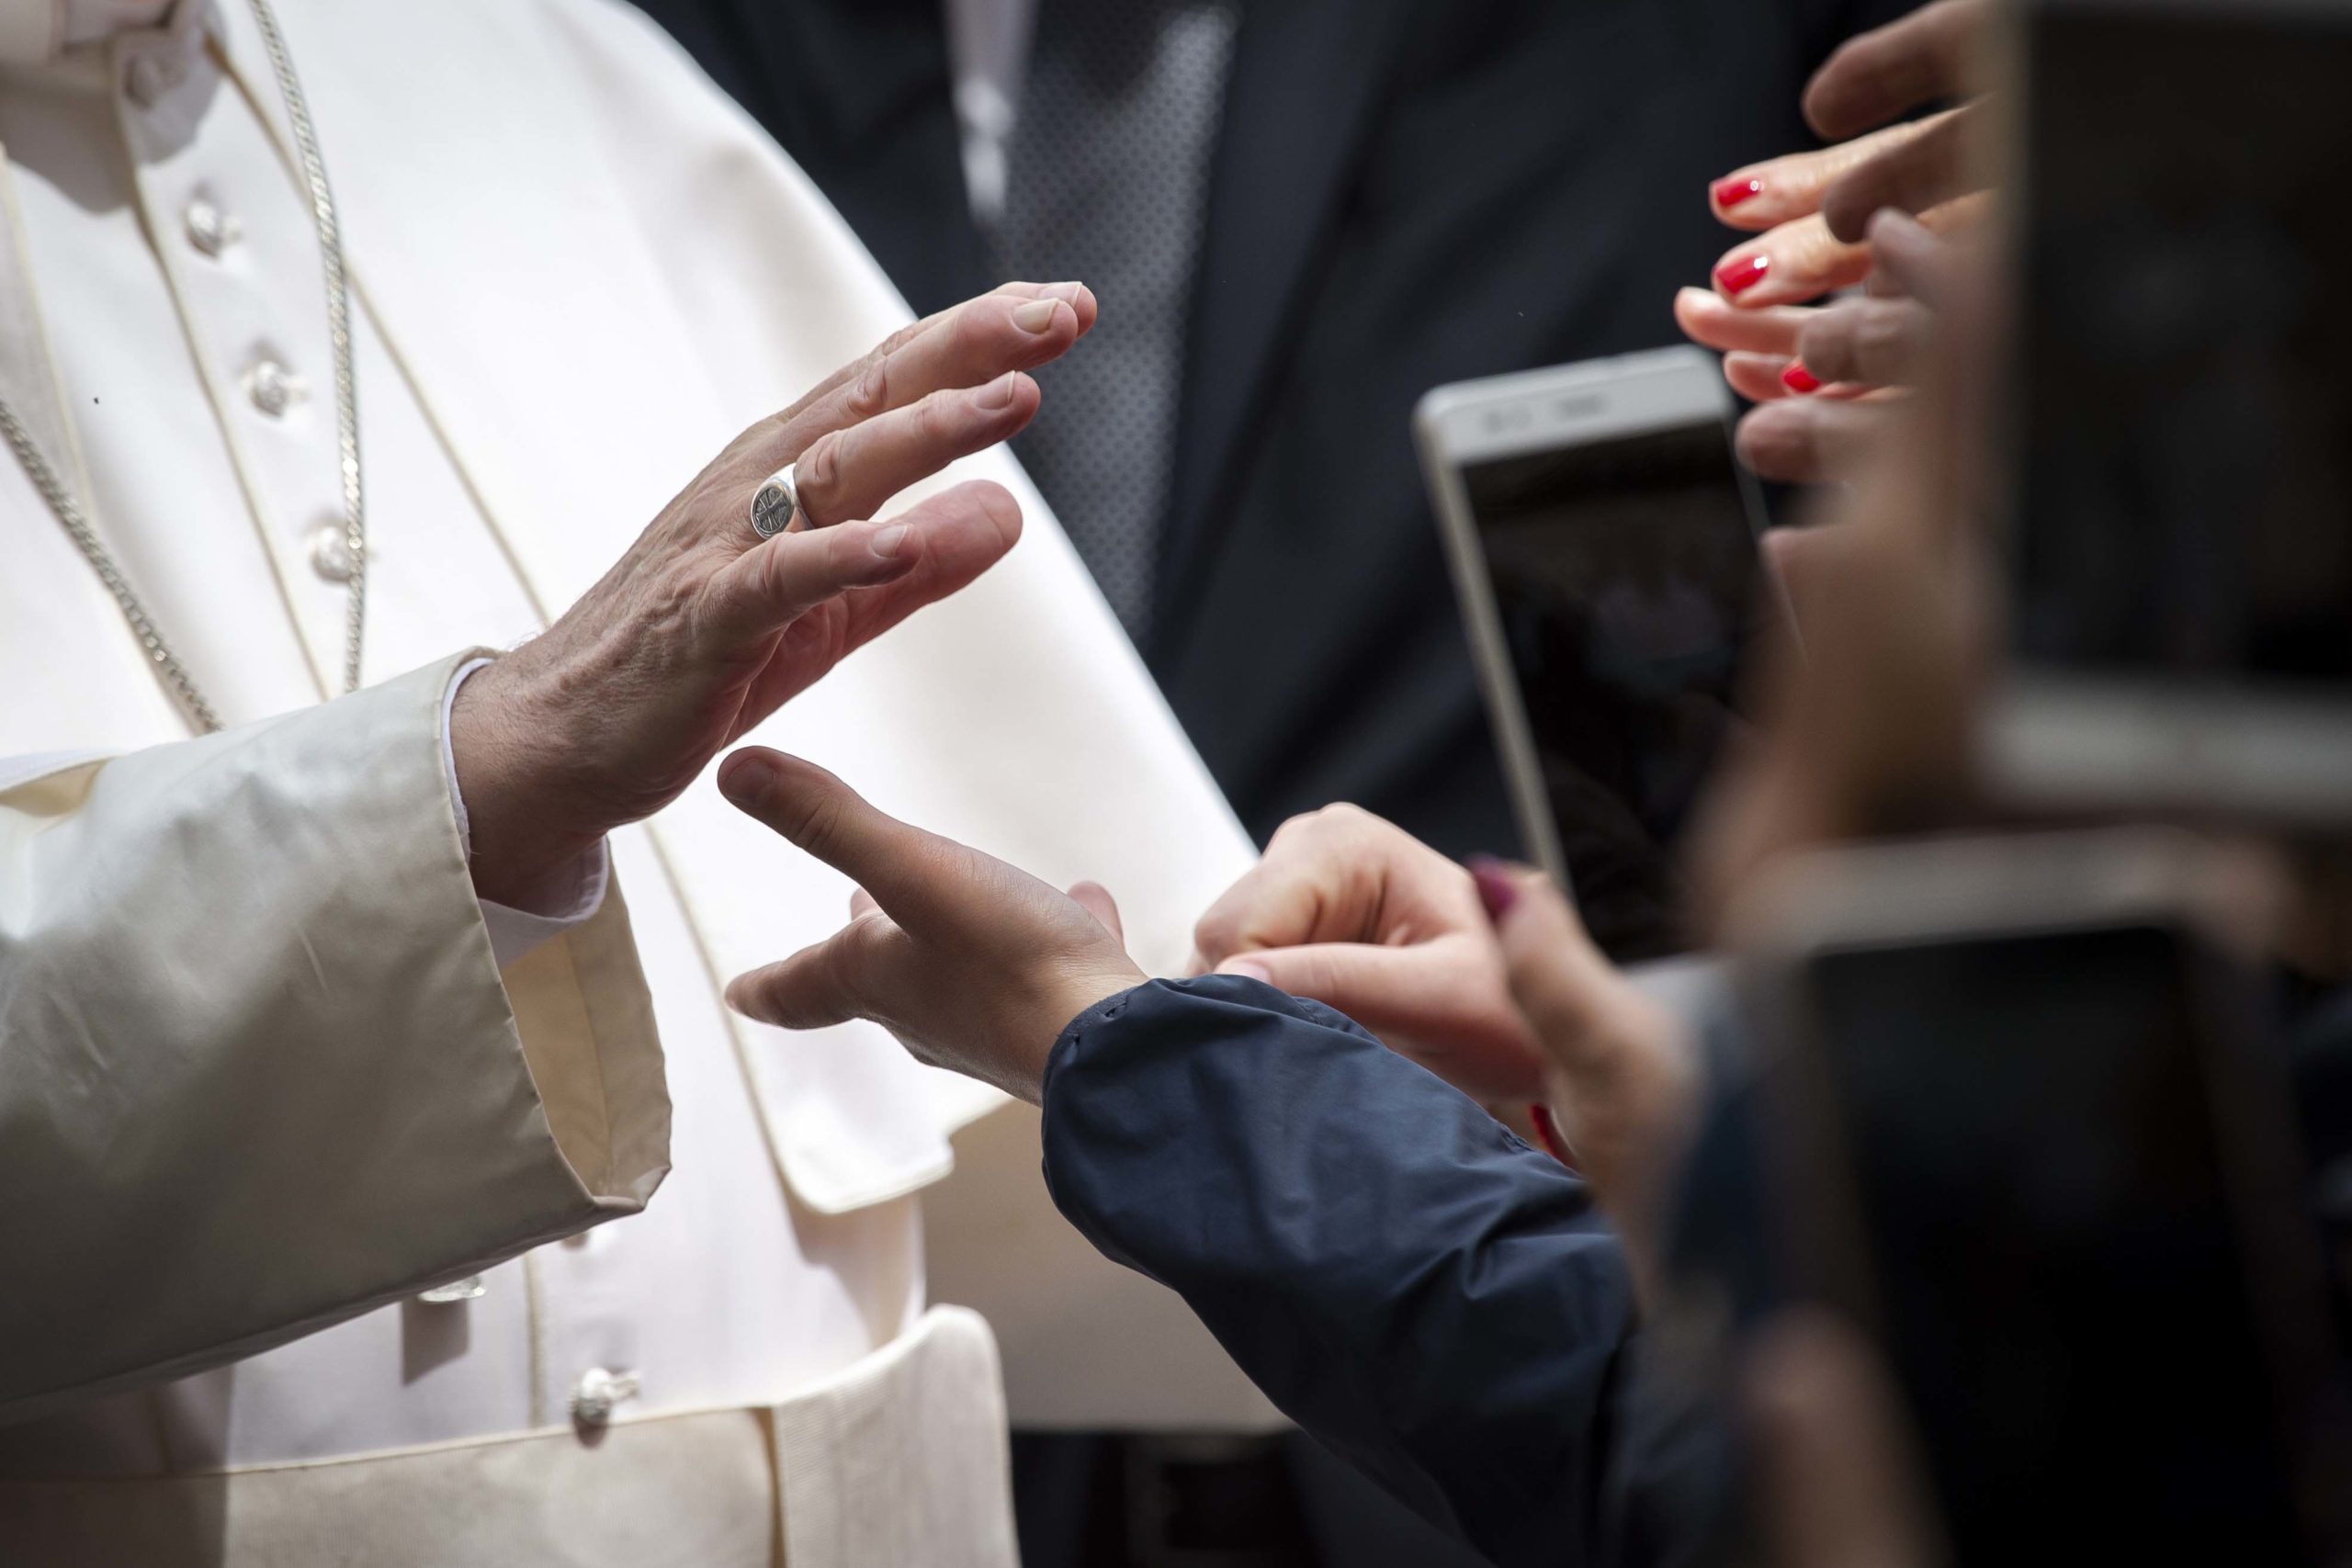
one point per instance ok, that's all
(1406, 192)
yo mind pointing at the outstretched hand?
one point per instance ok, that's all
(703, 629)
(975, 966)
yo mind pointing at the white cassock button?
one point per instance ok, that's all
(210, 229)
(273, 388)
(331, 553)
(594, 1396)
(151, 75)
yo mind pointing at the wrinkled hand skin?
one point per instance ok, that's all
(702, 630)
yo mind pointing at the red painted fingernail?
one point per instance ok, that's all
(1495, 889)
(1547, 1133)
(1742, 274)
(1732, 192)
(1800, 380)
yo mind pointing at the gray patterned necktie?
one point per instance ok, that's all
(1107, 182)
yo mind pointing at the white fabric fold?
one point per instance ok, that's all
(211, 1146)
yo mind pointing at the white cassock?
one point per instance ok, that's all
(259, 1068)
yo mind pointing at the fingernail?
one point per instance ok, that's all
(744, 777)
(1247, 970)
(1068, 293)
(1547, 1133)
(1495, 889)
(1730, 193)
(998, 394)
(887, 544)
(1038, 315)
(1800, 380)
(1741, 274)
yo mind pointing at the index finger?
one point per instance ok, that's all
(898, 865)
(969, 345)
(1925, 58)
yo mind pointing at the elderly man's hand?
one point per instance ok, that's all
(703, 629)
(1356, 913)
(975, 966)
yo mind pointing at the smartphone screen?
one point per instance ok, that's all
(2049, 1246)
(2184, 509)
(1625, 576)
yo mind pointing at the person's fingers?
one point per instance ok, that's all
(969, 345)
(1794, 263)
(1708, 320)
(822, 986)
(1811, 440)
(913, 876)
(1937, 165)
(1432, 1000)
(1876, 343)
(1759, 378)
(768, 588)
(1096, 900)
(1919, 262)
(1551, 964)
(848, 474)
(962, 533)
(1926, 58)
(1781, 190)
(1839, 1482)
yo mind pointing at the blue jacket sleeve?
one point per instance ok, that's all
(1434, 1301)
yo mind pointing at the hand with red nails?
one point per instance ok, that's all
(703, 629)
(975, 966)
(1819, 374)
(1354, 912)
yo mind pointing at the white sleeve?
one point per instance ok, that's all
(571, 897)
(259, 1068)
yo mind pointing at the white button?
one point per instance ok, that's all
(273, 387)
(331, 552)
(151, 74)
(210, 229)
(594, 1396)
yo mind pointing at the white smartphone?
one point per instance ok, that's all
(2179, 547)
(1603, 538)
(2024, 1124)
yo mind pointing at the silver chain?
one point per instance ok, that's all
(61, 500)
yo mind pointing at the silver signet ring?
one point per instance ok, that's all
(775, 503)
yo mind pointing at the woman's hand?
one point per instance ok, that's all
(1823, 377)
(975, 966)
(703, 629)
(1354, 912)
(1624, 1080)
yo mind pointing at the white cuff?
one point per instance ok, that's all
(572, 896)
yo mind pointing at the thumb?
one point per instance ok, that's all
(1096, 900)
(900, 867)
(1386, 990)
(821, 985)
